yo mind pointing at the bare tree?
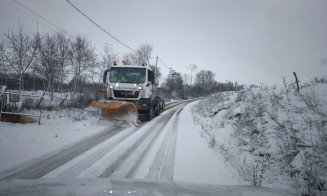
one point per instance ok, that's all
(205, 80)
(142, 55)
(144, 52)
(19, 51)
(109, 55)
(49, 61)
(2, 65)
(186, 78)
(192, 68)
(174, 85)
(83, 61)
(129, 59)
(63, 43)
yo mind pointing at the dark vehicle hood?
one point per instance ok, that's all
(102, 186)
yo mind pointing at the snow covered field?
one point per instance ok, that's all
(273, 136)
(22, 142)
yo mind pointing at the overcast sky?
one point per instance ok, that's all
(249, 41)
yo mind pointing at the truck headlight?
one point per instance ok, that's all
(111, 86)
(140, 87)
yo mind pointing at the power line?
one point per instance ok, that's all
(23, 11)
(57, 27)
(39, 16)
(92, 21)
(100, 27)
(164, 63)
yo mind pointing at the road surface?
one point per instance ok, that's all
(119, 152)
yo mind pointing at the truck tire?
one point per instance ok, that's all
(150, 114)
(157, 109)
(161, 107)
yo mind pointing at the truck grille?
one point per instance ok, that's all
(126, 94)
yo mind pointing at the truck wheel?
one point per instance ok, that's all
(150, 115)
(160, 108)
(157, 110)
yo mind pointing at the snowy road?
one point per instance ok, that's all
(166, 148)
(78, 157)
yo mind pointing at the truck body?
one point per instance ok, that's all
(136, 84)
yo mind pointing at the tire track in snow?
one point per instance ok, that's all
(53, 161)
(127, 162)
(46, 165)
(167, 169)
(145, 152)
(162, 167)
(74, 167)
(77, 165)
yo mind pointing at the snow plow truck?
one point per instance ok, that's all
(131, 92)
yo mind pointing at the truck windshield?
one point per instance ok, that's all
(127, 75)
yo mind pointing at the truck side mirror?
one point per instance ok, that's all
(105, 73)
(151, 77)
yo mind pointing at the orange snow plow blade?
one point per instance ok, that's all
(117, 110)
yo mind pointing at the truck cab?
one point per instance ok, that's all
(136, 84)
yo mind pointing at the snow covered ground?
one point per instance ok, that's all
(273, 136)
(194, 161)
(166, 148)
(23, 142)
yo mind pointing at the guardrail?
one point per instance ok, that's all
(14, 104)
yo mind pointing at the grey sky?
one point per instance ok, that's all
(249, 41)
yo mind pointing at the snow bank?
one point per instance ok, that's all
(273, 136)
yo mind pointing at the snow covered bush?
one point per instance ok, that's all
(273, 136)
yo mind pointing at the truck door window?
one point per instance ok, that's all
(151, 76)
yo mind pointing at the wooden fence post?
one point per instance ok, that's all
(297, 81)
